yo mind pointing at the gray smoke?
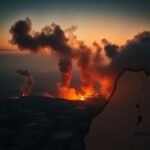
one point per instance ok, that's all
(134, 55)
(28, 82)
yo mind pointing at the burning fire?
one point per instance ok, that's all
(82, 98)
(69, 93)
(24, 93)
(68, 50)
(98, 65)
(72, 94)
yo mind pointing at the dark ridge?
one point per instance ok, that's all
(42, 123)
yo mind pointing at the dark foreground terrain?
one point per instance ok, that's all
(40, 123)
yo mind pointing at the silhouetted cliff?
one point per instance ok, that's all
(41, 123)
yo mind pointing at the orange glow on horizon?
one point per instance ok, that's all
(72, 94)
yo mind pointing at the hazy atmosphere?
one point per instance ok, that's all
(75, 50)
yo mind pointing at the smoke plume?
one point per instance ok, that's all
(52, 37)
(99, 66)
(28, 82)
(134, 55)
(111, 50)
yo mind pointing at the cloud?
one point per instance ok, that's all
(134, 55)
(50, 36)
(111, 50)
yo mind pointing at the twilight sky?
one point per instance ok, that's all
(116, 20)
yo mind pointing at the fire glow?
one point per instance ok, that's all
(65, 92)
(67, 50)
(72, 94)
(98, 67)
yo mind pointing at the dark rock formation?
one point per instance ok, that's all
(40, 123)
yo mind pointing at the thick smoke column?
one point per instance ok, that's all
(28, 84)
(65, 67)
(52, 37)
(100, 67)
(134, 55)
(84, 63)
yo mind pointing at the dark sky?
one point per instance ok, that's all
(132, 7)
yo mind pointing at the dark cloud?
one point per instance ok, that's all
(50, 36)
(111, 50)
(134, 55)
(136, 52)
(54, 38)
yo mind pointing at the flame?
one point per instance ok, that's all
(24, 93)
(68, 93)
(72, 94)
(82, 98)
(87, 91)
(84, 93)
